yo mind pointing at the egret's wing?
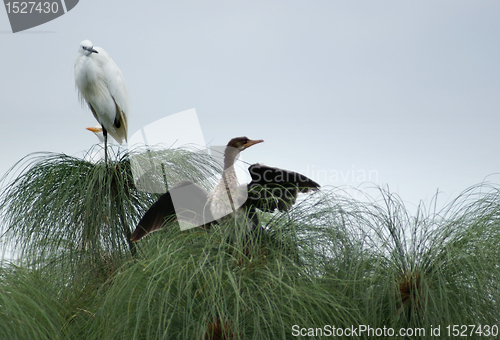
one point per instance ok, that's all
(274, 188)
(186, 201)
(118, 90)
(116, 83)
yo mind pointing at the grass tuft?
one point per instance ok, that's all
(330, 260)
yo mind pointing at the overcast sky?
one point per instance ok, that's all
(404, 94)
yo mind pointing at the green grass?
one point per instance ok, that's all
(331, 260)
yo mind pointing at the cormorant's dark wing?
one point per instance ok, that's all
(186, 201)
(274, 188)
(155, 217)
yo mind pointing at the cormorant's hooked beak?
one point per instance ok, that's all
(252, 142)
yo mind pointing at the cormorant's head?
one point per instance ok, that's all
(242, 143)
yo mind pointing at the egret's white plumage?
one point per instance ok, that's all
(101, 85)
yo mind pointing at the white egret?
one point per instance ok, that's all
(101, 85)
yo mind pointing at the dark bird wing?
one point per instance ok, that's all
(186, 201)
(274, 188)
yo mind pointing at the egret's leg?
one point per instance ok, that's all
(105, 133)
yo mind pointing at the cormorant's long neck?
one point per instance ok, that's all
(229, 175)
(225, 196)
(230, 155)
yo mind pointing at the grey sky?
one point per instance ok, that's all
(399, 93)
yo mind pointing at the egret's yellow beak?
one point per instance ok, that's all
(94, 129)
